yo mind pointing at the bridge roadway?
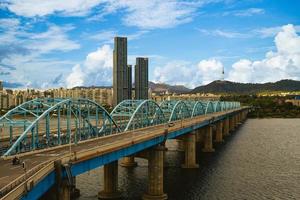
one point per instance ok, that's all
(14, 181)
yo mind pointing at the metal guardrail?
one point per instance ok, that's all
(26, 182)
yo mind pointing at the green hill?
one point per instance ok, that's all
(227, 87)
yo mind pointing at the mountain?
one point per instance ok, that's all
(162, 88)
(221, 87)
(155, 87)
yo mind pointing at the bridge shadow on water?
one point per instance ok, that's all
(179, 183)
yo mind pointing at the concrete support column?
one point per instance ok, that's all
(65, 191)
(180, 144)
(155, 174)
(244, 115)
(61, 189)
(231, 124)
(208, 144)
(235, 121)
(199, 135)
(110, 190)
(190, 151)
(219, 132)
(128, 162)
(226, 127)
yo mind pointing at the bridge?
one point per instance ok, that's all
(57, 139)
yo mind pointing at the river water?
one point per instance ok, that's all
(261, 160)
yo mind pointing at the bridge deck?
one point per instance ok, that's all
(34, 160)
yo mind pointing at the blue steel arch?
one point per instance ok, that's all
(88, 116)
(197, 107)
(209, 107)
(91, 119)
(132, 114)
(175, 110)
(223, 106)
(217, 106)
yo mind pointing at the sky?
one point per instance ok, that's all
(54, 43)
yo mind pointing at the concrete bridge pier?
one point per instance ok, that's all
(155, 174)
(208, 143)
(243, 116)
(128, 162)
(110, 190)
(65, 191)
(200, 135)
(239, 118)
(190, 151)
(231, 124)
(180, 144)
(219, 132)
(236, 120)
(61, 189)
(245, 112)
(226, 127)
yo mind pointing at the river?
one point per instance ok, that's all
(261, 160)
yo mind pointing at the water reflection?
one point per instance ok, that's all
(260, 161)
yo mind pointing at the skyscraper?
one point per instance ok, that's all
(129, 82)
(121, 77)
(141, 78)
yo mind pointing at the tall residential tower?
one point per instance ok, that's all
(121, 77)
(141, 78)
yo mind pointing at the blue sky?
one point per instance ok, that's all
(54, 43)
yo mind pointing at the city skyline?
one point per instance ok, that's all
(65, 45)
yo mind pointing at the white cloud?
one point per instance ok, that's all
(96, 69)
(241, 71)
(190, 75)
(23, 51)
(249, 12)
(175, 72)
(284, 63)
(150, 14)
(103, 36)
(76, 78)
(146, 14)
(271, 31)
(33, 8)
(224, 33)
(209, 70)
(108, 35)
(54, 39)
(245, 12)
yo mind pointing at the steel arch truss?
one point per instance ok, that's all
(217, 106)
(175, 110)
(197, 107)
(42, 123)
(209, 107)
(133, 114)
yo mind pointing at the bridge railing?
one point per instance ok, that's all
(54, 123)
(46, 122)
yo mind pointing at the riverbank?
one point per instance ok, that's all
(266, 106)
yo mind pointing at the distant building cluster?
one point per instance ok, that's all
(191, 97)
(295, 101)
(11, 98)
(122, 86)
